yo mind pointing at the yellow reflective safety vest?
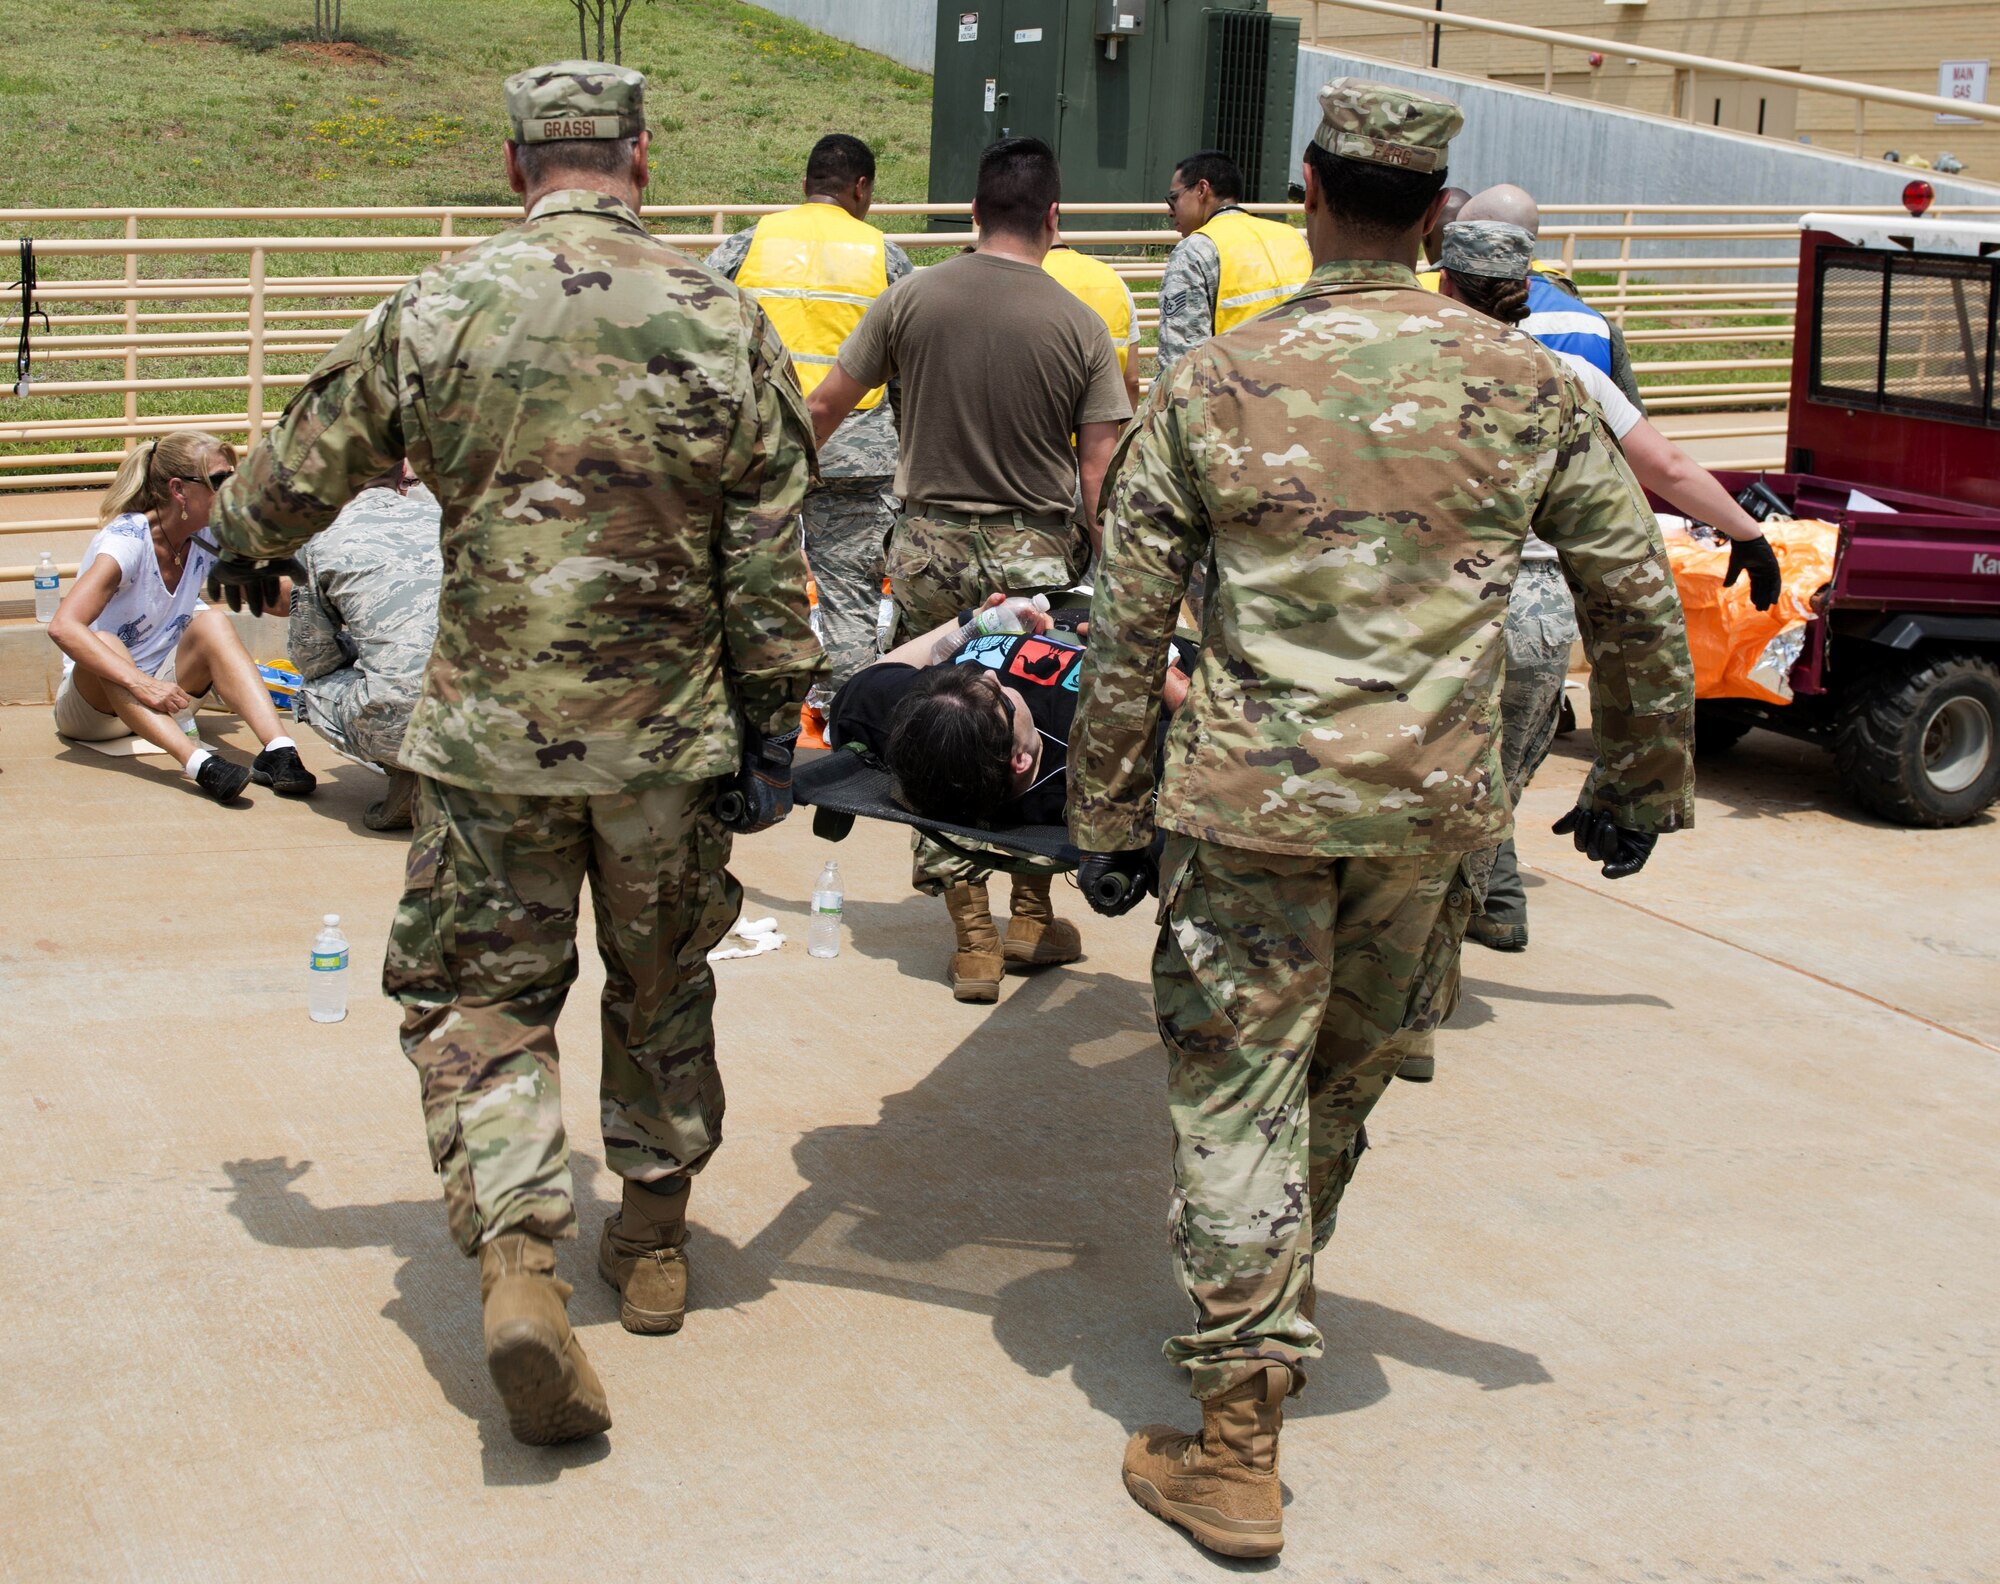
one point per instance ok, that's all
(814, 270)
(1263, 263)
(1099, 288)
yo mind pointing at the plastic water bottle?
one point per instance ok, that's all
(48, 589)
(823, 935)
(1009, 616)
(885, 621)
(326, 998)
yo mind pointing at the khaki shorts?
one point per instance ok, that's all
(80, 721)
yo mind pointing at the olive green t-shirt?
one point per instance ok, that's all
(1000, 366)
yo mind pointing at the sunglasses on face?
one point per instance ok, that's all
(1007, 701)
(215, 480)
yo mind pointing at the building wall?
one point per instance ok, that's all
(903, 30)
(1892, 46)
(1566, 152)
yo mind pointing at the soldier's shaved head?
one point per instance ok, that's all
(1515, 205)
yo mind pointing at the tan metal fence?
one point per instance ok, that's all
(142, 341)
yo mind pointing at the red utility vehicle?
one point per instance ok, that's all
(1894, 436)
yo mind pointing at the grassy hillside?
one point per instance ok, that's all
(184, 102)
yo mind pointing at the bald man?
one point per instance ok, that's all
(1558, 317)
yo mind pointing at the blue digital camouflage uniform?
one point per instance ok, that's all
(363, 619)
(620, 451)
(1361, 465)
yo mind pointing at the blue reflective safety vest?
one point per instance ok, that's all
(1563, 324)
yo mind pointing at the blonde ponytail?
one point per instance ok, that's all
(141, 484)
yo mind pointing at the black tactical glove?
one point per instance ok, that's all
(1756, 557)
(760, 793)
(1600, 837)
(252, 583)
(1114, 883)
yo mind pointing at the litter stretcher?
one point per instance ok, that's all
(843, 786)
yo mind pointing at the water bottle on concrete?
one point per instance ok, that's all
(326, 999)
(823, 934)
(48, 589)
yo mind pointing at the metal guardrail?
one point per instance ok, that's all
(1862, 94)
(230, 329)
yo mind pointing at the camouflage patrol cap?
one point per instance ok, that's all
(576, 99)
(1489, 248)
(1385, 125)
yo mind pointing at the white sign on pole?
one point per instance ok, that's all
(1961, 80)
(968, 27)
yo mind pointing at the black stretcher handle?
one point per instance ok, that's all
(1109, 890)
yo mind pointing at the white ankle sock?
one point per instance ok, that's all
(196, 760)
(279, 742)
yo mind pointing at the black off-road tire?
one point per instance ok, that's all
(1716, 732)
(1919, 743)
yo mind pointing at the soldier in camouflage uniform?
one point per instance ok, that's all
(848, 516)
(621, 452)
(1361, 466)
(363, 618)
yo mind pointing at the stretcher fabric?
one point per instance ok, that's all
(843, 787)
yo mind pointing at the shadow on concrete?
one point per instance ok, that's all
(1026, 1177)
(343, 794)
(913, 932)
(1476, 996)
(437, 1293)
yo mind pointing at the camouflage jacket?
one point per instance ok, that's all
(864, 446)
(1361, 465)
(1187, 299)
(364, 617)
(620, 451)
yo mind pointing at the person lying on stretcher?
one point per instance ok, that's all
(974, 729)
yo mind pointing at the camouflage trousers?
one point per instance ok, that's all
(482, 956)
(1541, 626)
(1280, 984)
(847, 524)
(941, 564)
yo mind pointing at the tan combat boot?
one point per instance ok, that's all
(977, 964)
(641, 1254)
(1221, 1485)
(551, 1392)
(1034, 934)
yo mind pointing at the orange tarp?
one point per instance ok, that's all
(1730, 637)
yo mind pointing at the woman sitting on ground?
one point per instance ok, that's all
(139, 644)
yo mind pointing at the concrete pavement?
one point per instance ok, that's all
(1684, 1269)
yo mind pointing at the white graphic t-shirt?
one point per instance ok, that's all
(144, 615)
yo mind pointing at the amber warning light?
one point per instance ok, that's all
(1917, 197)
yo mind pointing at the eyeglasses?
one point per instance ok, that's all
(215, 480)
(1006, 700)
(1175, 195)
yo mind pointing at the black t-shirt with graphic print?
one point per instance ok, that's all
(1044, 671)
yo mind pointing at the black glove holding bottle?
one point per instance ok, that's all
(760, 793)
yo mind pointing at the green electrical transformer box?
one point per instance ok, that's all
(1122, 90)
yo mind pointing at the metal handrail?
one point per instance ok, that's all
(1863, 94)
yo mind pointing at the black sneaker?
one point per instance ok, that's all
(1496, 934)
(222, 779)
(283, 772)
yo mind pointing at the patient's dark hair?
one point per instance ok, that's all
(949, 747)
